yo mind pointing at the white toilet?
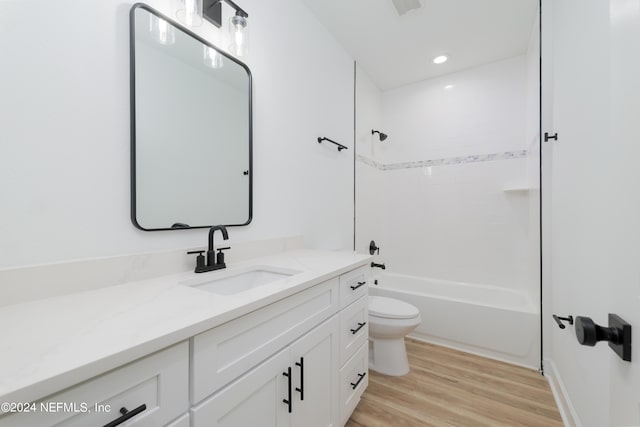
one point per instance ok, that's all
(389, 321)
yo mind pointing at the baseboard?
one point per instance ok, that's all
(472, 350)
(567, 411)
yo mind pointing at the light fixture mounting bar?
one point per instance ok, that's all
(212, 11)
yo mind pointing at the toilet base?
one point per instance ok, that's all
(388, 356)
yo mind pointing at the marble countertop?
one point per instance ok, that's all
(53, 343)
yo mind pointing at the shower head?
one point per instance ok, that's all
(383, 136)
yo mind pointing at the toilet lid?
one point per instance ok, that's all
(391, 308)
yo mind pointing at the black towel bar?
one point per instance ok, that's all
(340, 146)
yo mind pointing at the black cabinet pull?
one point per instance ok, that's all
(301, 388)
(353, 288)
(360, 326)
(288, 401)
(126, 415)
(355, 385)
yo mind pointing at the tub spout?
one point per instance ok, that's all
(374, 265)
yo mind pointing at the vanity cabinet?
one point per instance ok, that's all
(298, 362)
(224, 353)
(315, 341)
(155, 387)
(295, 387)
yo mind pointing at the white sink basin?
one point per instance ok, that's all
(235, 281)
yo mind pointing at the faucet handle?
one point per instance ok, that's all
(199, 258)
(220, 256)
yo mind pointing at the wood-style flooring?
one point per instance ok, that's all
(451, 388)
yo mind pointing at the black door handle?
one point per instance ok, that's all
(126, 415)
(618, 334)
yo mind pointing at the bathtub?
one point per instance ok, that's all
(490, 321)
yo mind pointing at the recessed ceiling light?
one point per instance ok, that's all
(447, 87)
(440, 59)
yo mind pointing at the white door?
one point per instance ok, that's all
(255, 399)
(314, 360)
(624, 284)
(591, 201)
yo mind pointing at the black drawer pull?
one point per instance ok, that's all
(353, 288)
(355, 385)
(126, 415)
(301, 388)
(360, 326)
(288, 401)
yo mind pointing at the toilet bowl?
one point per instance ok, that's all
(389, 321)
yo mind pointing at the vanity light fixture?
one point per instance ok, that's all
(189, 13)
(212, 12)
(440, 59)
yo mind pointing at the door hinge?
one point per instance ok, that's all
(547, 137)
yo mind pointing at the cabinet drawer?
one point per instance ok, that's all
(353, 285)
(159, 381)
(224, 353)
(354, 328)
(354, 379)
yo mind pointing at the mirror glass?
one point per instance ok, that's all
(190, 129)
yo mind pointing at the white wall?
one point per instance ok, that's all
(65, 132)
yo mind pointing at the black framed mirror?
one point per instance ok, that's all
(191, 128)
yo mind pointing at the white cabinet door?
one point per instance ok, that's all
(255, 399)
(314, 361)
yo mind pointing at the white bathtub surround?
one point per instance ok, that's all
(456, 223)
(22, 284)
(483, 113)
(487, 320)
(433, 195)
(74, 337)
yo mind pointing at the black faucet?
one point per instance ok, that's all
(382, 266)
(213, 262)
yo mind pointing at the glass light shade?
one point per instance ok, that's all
(239, 34)
(162, 31)
(190, 13)
(212, 57)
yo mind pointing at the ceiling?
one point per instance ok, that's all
(396, 50)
